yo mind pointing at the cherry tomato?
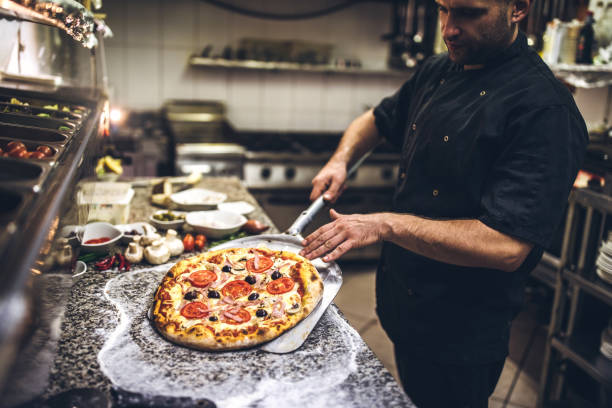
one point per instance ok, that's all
(202, 278)
(263, 264)
(36, 155)
(12, 144)
(236, 289)
(242, 316)
(280, 285)
(17, 152)
(1, 151)
(188, 242)
(194, 310)
(200, 241)
(46, 150)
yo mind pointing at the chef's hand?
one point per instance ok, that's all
(330, 181)
(345, 232)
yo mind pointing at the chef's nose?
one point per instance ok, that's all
(450, 29)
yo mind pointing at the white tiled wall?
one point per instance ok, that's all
(147, 61)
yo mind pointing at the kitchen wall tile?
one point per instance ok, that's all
(143, 23)
(244, 119)
(308, 91)
(211, 27)
(178, 23)
(276, 119)
(117, 72)
(116, 18)
(306, 120)
(142, 82)
(591, 103)
(339, 92)
(245, 89)
(210, 84)
(336, 121)
(277, 90)
(176, 78)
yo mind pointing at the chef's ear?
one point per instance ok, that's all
(520, 9)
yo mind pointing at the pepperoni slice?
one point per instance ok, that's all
(280, 285)
(194, 310)
(236, 289)
(241, 316)
(263, 264)
(202, 278)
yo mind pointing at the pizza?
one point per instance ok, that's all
(235, 298)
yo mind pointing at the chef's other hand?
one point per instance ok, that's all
(345, 232)
(329, 182)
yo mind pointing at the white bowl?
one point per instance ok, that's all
(197, 199)
(215, 224)
(97, 230)
(238, 207)
(165, 225)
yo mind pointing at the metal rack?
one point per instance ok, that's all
(574, 278)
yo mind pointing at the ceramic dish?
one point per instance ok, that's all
(238, 207)
(215, 224)
(71, 233)
(97, 231)
(134, 229)
(197, 199)
(165, 225)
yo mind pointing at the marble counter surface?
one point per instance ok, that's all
(107, 343)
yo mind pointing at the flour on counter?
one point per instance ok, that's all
(137, 359)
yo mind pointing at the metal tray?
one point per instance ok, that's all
(32, 134)
(23, 174)
(12, 204)
(75, 109)
(32, 145)
(330, 274)
(38, 122)
(35, 111)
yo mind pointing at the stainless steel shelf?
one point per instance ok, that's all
(584, 76)
(250, 65)
(595, 286)
(583, 350)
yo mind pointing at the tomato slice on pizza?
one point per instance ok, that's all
(259, 264)
(236, 289)
(202, 278)
(280, 286)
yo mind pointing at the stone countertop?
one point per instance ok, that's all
(107, 343)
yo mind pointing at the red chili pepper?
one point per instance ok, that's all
(127, 265)
(121, 261)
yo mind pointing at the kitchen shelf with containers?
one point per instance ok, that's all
(570, 339)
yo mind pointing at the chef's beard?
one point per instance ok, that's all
(493, 41)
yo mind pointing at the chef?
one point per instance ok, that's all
(490, 145)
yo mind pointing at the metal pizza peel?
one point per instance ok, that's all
(291, 241)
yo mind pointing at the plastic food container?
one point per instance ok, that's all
(104, 201)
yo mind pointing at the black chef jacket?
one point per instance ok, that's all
(501, 144)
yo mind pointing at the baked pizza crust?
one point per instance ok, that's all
(218, 336)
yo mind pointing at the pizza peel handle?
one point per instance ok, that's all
(306, 216)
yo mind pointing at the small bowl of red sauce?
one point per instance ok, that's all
(100, 236)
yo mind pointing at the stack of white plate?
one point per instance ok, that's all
(604, 262)
(606, 341)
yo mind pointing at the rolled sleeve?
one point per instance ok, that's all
(390, 114)
(526, 191)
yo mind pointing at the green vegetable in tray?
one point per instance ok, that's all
(44, 115)
(168, 216)
(235, 235)
(64, 128)
(54, 107)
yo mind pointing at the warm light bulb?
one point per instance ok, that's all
(116, 115)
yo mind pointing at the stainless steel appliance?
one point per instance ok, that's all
(278, 167)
